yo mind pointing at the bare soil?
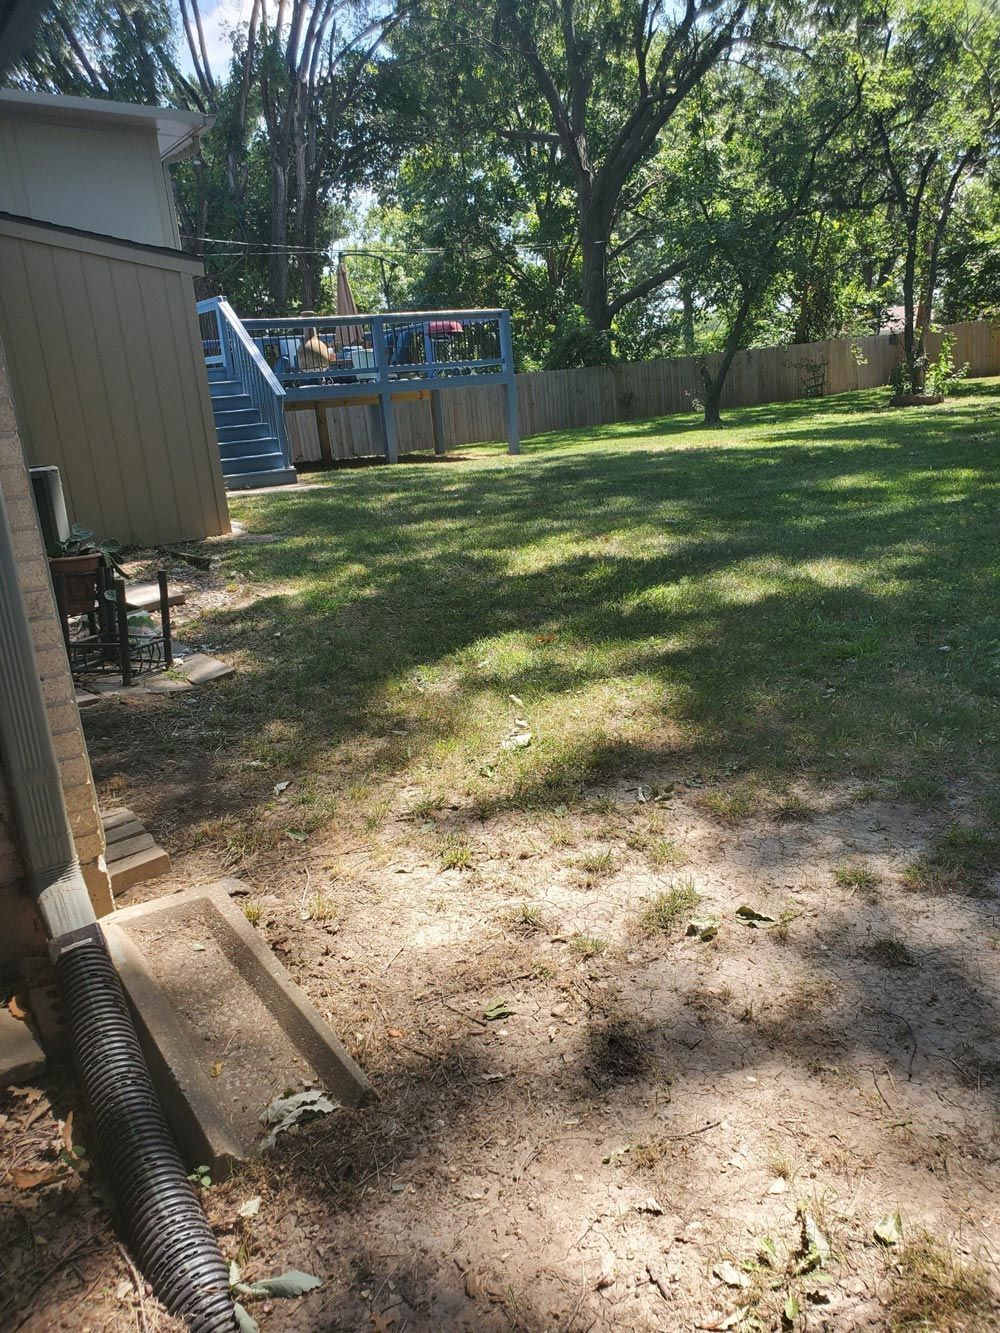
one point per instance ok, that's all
(638, 1142)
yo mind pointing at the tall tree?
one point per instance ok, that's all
(763, 161)
(598, 81)
(933, 105)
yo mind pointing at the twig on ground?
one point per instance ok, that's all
(137, 1282)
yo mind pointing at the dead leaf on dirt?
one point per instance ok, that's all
(704, 928)
(473, 1286)
(37, 1111)
(30, 1095)
(498, 1009)
(814, 1251)
(890, 1230)
(31, 1177)
(284, 1112)
(754, 919)
(249, 1209)
(16, 1009)
(383, 1323)
(649, 1205)
(279, 787)
(216, 1069)
(395, 1033)
(717, 1321)
(730, 1274)
(608, 1273)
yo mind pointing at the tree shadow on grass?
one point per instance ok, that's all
(828, 608)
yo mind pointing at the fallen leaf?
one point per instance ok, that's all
(705, 928)
(473, 1286)
(498, 1009)
(291, 1284)
(890, 1230)
(395, 1033)
(245, 1320)
(284, 1112)
(30, 1095)
(519, 741)
(31, 1177)
(249, 1209)
(814, 1251)
(778, 1186)
(217, 1069)
(791, 1309)
(649, 1205)
(37, 1111)
(279, 787)
(721, 1321)
(16, 1009)
(754, 919)
(608, 1273)
(730, 1274)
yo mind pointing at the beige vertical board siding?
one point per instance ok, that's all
(110, 381)
(198, 402)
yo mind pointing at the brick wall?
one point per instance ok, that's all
(22, 933)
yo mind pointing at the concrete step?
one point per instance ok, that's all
(244, 481)
(218, 1062)
(131, 853)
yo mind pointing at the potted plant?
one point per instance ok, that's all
(77, 559)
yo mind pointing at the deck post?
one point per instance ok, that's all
(437, 419)
(437, 423)
(507, 355)
(387, 417)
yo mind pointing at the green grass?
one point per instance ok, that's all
(752, 604)
(958, 860)
(668, 908)
(854, 875)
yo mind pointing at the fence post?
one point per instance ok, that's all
(387, 417)
(507, 355)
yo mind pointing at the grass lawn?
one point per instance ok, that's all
(628, 808)
(812, 589)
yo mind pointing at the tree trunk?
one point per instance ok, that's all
(278, 258)
(714, 383)
(596, 305)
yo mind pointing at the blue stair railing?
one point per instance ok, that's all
(231, 352)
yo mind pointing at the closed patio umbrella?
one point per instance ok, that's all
(346, 304)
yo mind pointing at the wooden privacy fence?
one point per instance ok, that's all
(555, 400)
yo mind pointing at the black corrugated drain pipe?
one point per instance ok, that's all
(162, 1217)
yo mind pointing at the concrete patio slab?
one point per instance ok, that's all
(224, 1027)
(21, 1057)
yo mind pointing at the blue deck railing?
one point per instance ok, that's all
(326, 359)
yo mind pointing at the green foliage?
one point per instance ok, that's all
(943, 376)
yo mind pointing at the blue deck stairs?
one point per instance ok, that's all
(252, 455)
